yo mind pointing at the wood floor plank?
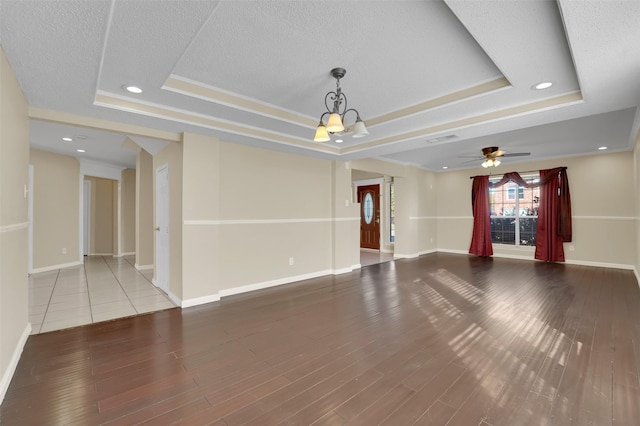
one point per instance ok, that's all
(441, 339)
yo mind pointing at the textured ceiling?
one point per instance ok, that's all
(256, 73)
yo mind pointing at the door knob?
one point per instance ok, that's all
(157, 228)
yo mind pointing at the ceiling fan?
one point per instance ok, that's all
(491, 156)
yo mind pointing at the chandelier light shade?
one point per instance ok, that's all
(359, 129)
(321, 134)
(334, 125)
(336, 105)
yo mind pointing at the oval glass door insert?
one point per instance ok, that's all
(368, 208)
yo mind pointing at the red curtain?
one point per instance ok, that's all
(554, 215)
(481, 238)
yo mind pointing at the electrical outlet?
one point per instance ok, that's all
(64, 250)
(571, 247)
(290, 261)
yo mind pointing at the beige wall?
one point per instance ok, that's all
(103, 219)
(172, 155)
(603, 209)
(56, 200)
(201, 240)
(345, 220)
(14, 164)
(247, 211)
(144, 210)
(286, 200)
(128, 212)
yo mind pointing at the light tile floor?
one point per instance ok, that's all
(371, 257)
(102, 289)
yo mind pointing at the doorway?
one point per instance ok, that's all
(369, 199)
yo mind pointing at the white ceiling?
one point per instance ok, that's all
(256, 73)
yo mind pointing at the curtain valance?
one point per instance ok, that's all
(554, 218)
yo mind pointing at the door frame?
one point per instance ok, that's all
(86, 217)
(30, 218)
(383, 215)
(162, 257)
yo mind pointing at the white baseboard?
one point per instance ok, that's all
(405, 256)
(142, 267)
(54, 267)
(526, 257)
(100, 254)
(124, 254)
(567, 261)
(345, 270)
(200, 300)
(13, 363)
(272, 283)
(263, 285)
(175, 299)
(600, 264)
(413, 255)
(451, 251)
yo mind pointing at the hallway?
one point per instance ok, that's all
(373, 257)
(104, 288)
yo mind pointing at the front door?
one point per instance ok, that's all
(369, 199)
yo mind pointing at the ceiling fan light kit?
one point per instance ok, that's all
(491, 162)
(336, 105)
(491, 154)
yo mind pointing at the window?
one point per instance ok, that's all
(367, 207)
(511, 192)
(392, 215)
(514, 220)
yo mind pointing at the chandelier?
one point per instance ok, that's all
(336, 105)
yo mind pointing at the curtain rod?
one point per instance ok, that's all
(527, 171)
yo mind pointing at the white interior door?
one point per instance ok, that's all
(162, 228)
(30, 217)
(86, 217)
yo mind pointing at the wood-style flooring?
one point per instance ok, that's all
(442, 339)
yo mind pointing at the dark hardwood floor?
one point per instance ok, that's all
(442, 339)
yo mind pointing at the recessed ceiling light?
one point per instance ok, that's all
(80, 150)
(132, 89)
(339, 141)
(67, 139)
(602, 148)
(445, 167)
(543, 85)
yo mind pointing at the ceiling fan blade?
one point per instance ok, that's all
(497, 153)
(472, 161)
(517, 154)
